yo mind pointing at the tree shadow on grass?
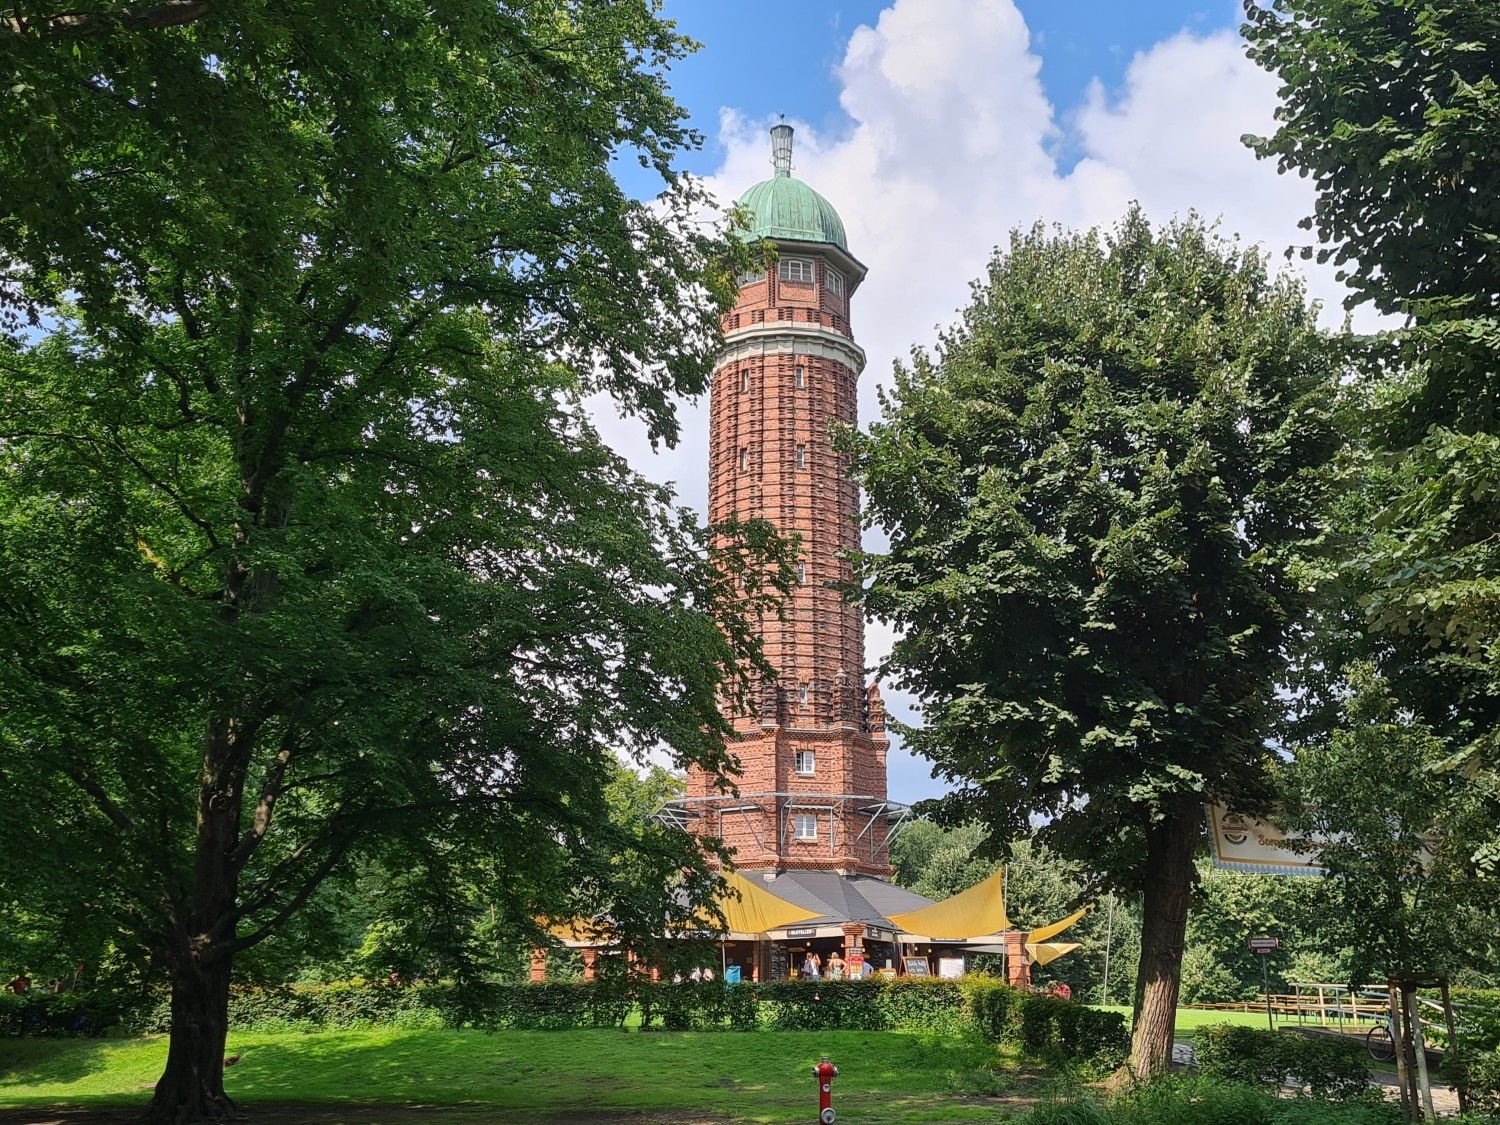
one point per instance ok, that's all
(35, 1062)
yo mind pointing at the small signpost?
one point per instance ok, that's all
(1264, 946)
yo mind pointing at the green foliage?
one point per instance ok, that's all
(1099, 491)
(313, 565)
(1328, 1067)
(1068, 1111)
(1045, 1027)
(1393, 108)
(1479, 1074)
(1207, 1100)
(1401, 899)
(1095, 491)
(1418, 144)
(1058, 1030)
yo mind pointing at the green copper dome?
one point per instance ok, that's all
(783, 207)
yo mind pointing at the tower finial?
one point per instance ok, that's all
(781, 148)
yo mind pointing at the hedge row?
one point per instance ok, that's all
(1039, 1025)
(1328, 1067)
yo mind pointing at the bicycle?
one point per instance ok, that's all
(1380, 1041)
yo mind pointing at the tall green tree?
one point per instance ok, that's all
(309, 554)
(1096, 492)
(1390, 830)
(1393, 108)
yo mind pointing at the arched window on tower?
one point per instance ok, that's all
(744, 380)
(744, 458)
(801, 377)
(801, 456)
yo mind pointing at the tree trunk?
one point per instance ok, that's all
(191, 1087)
(1169, 883)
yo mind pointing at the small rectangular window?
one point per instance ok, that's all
(750, 277)
(802, 694)
(744, 381)
(801, 456)
(801, 573)
(744, 458)
(795, 269)
(805, 762)
(801, 377)
(807, 826)
(835, 282)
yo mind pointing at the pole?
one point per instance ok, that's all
(1398, 1048)
(1265, 977)
(1424, 1083)
(1109, 933)
(1463, 1093)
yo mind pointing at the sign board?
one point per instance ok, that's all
(950, 968)
(855, 960)
(916, 966)
(1264, 944)
(801, 931)
(1256, 847)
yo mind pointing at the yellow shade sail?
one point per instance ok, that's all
(756, 909)
(753, 911)
(581, 930)
(1045, 952)
(1043, 933)
(972, 913)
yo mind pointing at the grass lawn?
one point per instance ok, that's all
(1192, 1020)
(563, 1076)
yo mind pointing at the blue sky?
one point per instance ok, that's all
(937, 126)
(765, 57)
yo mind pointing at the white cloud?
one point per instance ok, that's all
(951, 143)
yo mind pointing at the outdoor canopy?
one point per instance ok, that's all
(969, 914)
(1044, 933)
(1045, 952)
(756, 910)
(753, 910)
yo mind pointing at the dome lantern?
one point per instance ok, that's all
(784, 209)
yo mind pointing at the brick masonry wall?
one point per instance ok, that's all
(788, 372)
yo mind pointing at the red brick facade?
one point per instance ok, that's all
(787, 372)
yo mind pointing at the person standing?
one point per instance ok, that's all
(812, 966)
(835, 966)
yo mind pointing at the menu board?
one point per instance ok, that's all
(780, 966)
(916, 966)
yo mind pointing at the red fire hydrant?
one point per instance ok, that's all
(825, 1072)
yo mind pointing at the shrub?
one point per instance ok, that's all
(1205, 1100)
(1045, 1027)
(1057, 1030)
(1328, 1067)
(66, 1013)
(1479, 1075)
(1067, 1111)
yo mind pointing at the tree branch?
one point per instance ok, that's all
(291, 906)
(260, 820)
(78, 25)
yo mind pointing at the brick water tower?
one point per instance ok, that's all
(812, 794)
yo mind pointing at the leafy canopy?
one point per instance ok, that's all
(309, 553)
(1393, 108)
(1097, 491)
